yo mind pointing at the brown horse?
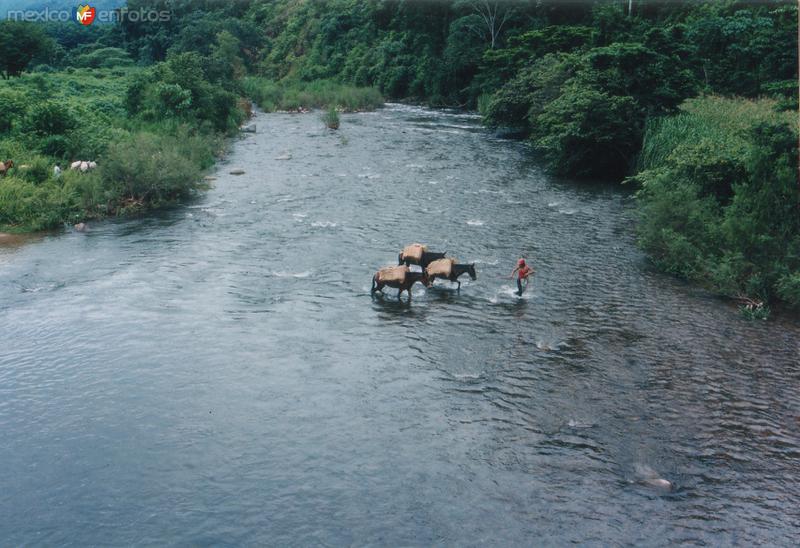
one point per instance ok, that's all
(427, 258)
(403, 283)
(5, 166)
(456, 271)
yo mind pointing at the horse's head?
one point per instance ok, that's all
(471, 272)
(9, 164)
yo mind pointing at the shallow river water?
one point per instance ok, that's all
(219, 374)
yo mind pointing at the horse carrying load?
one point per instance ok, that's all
(413, 253)
(441, 268)
(417, 254)
(396, 274)
(448, 269)
(399, 277)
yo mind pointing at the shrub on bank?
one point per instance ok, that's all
(153, 169)
(26, 206)
(719, 199)
(180, 88)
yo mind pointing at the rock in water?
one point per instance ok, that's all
(659, 483)
(209, 178)
(286, 156)
(81, 227)
(650, 477)
(236, 171)
(249, 128)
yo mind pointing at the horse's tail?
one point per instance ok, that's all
(374, 283)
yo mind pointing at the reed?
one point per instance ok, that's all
(331, 118)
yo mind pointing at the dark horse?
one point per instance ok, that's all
(410, 279)
(5, 166)
(455, 272)
(427, 258)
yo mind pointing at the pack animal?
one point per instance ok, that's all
(452, 271)
(5, 166)
(399, 277)
(418, 254)
(82, 165)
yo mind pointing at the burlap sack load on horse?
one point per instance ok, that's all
(396, 274)
(413, 253)
(441, 267)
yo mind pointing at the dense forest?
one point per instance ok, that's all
(693, 106)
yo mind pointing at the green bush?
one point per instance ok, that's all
(37, 171)
(92, 197)
(27, 205)
(719, 199)
(152, 169)
(50, 118)
(788, 288)
(13, 107)
(104, 57)
(588, 133)
(180, 88)
(331, 118)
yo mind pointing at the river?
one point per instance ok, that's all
(219, 374)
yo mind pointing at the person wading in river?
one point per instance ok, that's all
(522, 271)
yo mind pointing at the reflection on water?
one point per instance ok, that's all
(218, 373)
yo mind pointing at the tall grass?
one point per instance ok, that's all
(711, 119)
(294, 95)
(718, 198)
(331, 118)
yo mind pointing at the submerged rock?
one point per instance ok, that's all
(658, 483)
(648, 476)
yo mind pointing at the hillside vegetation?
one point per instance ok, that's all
(693, 103)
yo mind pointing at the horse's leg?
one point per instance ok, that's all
(459, 286)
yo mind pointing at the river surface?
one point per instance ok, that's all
(218, 374)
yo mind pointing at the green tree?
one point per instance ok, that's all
(20, 43)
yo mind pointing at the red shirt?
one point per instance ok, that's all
(523, 272)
